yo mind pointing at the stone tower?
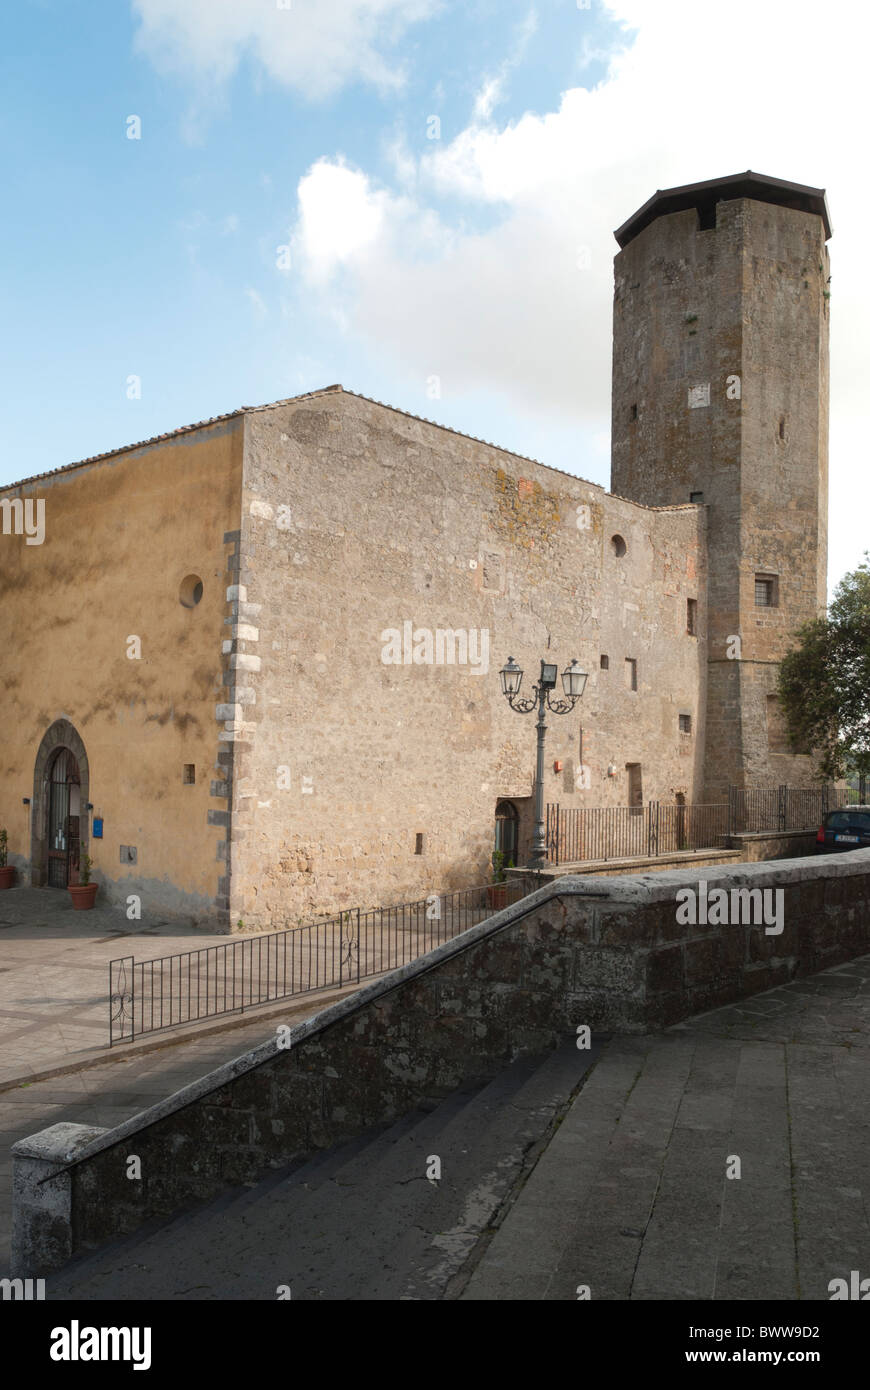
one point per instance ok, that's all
(720, 397)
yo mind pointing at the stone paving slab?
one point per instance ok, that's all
(787, 1091)
(54, 974)
(123, 1086)
(54, 983)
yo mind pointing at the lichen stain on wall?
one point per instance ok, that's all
(526, 515)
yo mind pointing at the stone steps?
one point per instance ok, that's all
(359, 1222)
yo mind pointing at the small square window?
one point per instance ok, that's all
(189, 776)
(692, 617)
(605, 663)
(696, 496)
(766, 591)
(685, 723)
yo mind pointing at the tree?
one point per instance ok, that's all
(824, 682)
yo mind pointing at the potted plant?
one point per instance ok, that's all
(7, 871)
(83, 892)
(497, 891)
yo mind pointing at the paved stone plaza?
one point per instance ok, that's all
(605, 1169)
(54, 1023)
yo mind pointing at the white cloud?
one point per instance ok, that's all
(695, 94)
(314, 46)
(340, 214)
(493, 89)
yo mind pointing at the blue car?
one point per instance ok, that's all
(848, 828)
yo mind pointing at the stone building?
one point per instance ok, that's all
(251, 666)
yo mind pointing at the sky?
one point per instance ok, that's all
(218, 203)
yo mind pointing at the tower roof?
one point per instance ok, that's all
(704, 196)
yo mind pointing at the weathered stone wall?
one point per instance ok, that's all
(786, 844)
(611, 954)
(121, 535)
(701, 309)
(358, 519)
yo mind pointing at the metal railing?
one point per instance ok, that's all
(632, 832)
(148, 996)
(759, 809)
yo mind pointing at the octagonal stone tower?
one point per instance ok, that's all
(720, 397)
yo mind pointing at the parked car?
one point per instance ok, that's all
(848, 828)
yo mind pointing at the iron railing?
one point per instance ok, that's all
(759, 809)
(148, 996)
(631, 832)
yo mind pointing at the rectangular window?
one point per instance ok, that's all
(418, 843)
(634, 412)
(685, 723)
(692, 617)
(189, 776)
(766, 591)
(631, 673)
(605, 663)
(696, 496)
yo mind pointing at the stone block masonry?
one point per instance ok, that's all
(610, 954)
(363, 530)
(730, 407)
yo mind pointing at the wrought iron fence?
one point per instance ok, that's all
(148, 996)
(631, 832)
(757, 809)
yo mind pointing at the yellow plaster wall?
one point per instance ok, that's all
(120, 536)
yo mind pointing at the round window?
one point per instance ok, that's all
(190, 592)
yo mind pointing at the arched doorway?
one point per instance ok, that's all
(59, 820)
(63, 811)
(507, 826)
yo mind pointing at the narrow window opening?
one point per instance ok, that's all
(692, 617)
(418, 842)
(605, 663)
(631, 672)
(633, 412)
(189, 775)
(618, 545)
(766, 591)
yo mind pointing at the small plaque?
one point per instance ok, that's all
(97, 831)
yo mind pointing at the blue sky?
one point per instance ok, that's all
(480, 261)
(145, 256)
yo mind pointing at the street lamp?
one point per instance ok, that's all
(573, 683)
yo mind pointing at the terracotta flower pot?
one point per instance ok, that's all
(83, 895)
(7, 874)
(497, 895)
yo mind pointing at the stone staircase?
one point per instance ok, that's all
(362, 1221)
(604, 1169)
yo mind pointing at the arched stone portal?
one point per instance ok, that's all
(507, 832)
(60, 736)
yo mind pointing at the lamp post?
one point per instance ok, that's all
(573, 683)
